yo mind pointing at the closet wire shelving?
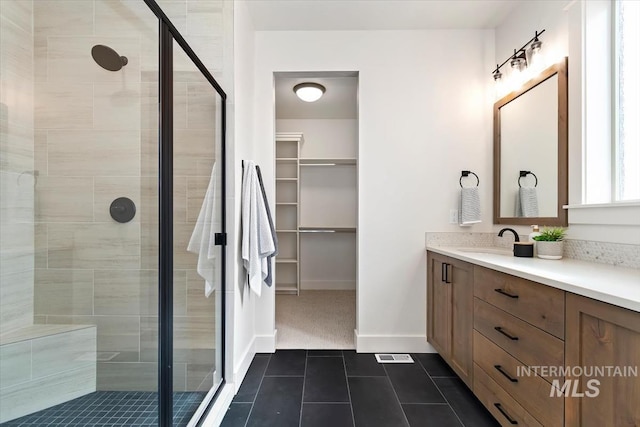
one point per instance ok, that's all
(288, 165)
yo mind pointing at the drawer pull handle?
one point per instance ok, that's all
(443, 275)
(503, 372)
(506, 334)
(503, 412)
(505, 293)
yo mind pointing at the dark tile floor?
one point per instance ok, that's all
(113, 408)
(334, 388)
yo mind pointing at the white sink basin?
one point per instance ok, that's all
(488, 250)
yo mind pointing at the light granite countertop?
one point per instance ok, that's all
(614, 285)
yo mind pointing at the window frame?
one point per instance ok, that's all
(616, 160)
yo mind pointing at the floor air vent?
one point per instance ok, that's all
(393, 358)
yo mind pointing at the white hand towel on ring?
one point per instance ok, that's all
(470, 206)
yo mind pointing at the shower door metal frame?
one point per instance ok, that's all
(168, 34)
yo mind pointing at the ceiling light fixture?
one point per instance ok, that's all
(309, 92)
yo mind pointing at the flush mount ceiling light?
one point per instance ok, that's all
(309, 92)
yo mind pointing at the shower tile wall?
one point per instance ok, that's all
(16, 165)
(96, 140)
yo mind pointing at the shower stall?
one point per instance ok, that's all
(112, 192)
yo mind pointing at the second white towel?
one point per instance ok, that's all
(257, 241)
(527, 202)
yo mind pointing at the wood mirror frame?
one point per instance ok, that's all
(561, 218)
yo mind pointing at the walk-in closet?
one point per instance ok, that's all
(316, 164)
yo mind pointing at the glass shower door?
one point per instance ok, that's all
(79, 99)
(80, 230)
(198, 167)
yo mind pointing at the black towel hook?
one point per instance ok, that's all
(466, 173)
(525, 173)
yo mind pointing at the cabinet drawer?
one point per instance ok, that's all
(531, 392)
(502, 406)
(525, 342)
(535, 303)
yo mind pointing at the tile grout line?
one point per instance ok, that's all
(304, 380)
(346, 377)
(367, 376)
(395, 394)
(246, 422)
(285, 376)
(440, 391)
(430, 403)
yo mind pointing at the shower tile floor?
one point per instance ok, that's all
(112, 408)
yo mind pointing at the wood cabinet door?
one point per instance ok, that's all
(438, 305)
(601, 335)
(461, 287)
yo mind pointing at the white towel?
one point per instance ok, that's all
(470, 206)
(257, 241)
(528, 202)
(203, 237)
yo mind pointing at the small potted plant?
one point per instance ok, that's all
(549, 243)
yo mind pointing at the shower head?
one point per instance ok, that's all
(108, 58)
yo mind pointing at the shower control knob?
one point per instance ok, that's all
(122, 209)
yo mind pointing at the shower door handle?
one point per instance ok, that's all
(220, 239)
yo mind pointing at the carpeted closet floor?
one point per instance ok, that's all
(316, 320)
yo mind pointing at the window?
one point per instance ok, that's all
(627, 101)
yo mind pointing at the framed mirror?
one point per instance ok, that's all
(530, 180)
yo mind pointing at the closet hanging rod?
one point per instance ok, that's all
(318, 164)
(327, 229)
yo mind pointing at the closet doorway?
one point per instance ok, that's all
(316, 170)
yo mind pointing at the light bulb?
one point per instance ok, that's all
(309, 92)
(498, 83)
(536, 57)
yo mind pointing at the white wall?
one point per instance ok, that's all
(564, 36)
(241, 303)
(422, 119)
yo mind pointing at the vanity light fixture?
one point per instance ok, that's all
(497, 75)
(518, 62)
(309, 92)
(498, 82)
(536, 57)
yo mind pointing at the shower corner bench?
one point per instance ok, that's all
(45, 365)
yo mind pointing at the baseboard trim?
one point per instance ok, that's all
(241, 370)
(266, 343)
(392, 344)
(220, 406)
(328, 285)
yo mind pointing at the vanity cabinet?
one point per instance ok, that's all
(491, 326)
(517, 324)
(602, 335)
(450, 312)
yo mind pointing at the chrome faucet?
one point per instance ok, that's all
(511, 230)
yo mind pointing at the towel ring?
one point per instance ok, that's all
(525, 173)
(466, 173)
